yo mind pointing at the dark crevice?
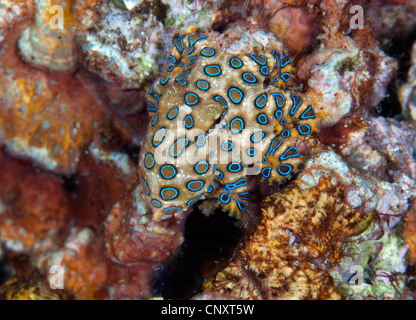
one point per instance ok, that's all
(209, 244)
(70, 183)
(400, 49)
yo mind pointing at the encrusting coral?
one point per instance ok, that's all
(305, 234)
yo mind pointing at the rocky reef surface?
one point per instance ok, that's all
(317, 202)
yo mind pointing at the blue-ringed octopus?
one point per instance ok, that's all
(217, 117)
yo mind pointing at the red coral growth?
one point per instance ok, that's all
(35, 206)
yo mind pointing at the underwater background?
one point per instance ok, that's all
(208, 150)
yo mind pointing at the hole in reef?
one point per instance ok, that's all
(390, 106)
(209, 244)
(399, 48)
(70, 183)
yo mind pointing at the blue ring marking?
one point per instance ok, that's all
(152, 108)
(236, 63)
(262, 118)
(197, 39)
(156, 203)
(205, 83)
(153, 161)
(191, 103)
(230, 167)
(285, 76)
(174, 109)
(281, 61)
(224, 200)
(308, 129)
(264, 70)
(260, 104)
(210, 73)
(170, 67)
(277, 96)
(210, 189)
(168, 166)
(285, 133)
(210, 54)
(265, 160)
(188, 126)
(221, 174)
(240, 183)
(173, 60)
(180, 49)
(197, 188)
(182, 64)
(295, 104)
(192, 60)
(190, 50)
(156, 97)
(147, 187)
(254, 135)
(243, 194)
(163, 82)
(224, 126)
(284, 156)
(274, 147)
(182, 76)
(154, 120)
(245, 76)
(283, 121)
(283, 172)
(251, 152)
(201, 163)
(198, 143)
(222, 101)
(304, 116)
(239, 92)
(151, 88)
(266, 172)
(230, 145)
(241, 125)
(256, 59)
(164, 133)
(277, 55)
(184, 83)
(167, 189)
(242, 206)
(275, 79)
(192, 201)
(278, 114)
(171, 208)
(180, 150)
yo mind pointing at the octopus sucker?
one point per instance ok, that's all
(217, 117)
